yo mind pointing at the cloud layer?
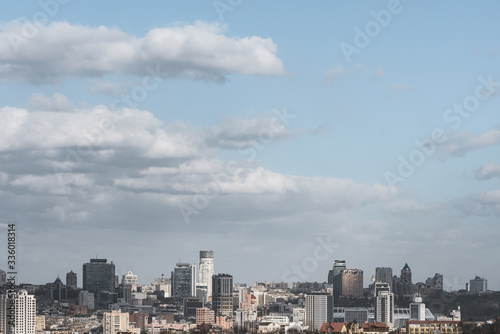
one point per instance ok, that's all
(200, 51)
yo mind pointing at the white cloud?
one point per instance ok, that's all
(402, 88)
(200, 51)
(58, 102)
(459, 143)
(488, 171)
(332, 75)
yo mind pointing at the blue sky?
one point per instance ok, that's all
(324, 172)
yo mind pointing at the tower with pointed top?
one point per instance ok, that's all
(406, 273)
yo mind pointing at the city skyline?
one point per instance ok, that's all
(280, 135)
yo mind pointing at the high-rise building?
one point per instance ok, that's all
(478, 284)
(319, 309)
(129, 279)
(417, 308)
(3, 277)
(384, 307)
(23, 311)
(352, 283)
(71, 280)
(379, 287)
(222, 295)
(335, 277)
(406, 273)
(190, 304)
(98, 275)
(206, 270)
(383, 274)
(183, 282)
(114, 322)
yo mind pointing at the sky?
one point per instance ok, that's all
(281, 135)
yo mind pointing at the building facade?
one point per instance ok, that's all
(222, 295)
(114, 322)
(23, 311)
(383, 274)
(319, 309)
(417, 308)
(206, 270)
(478, 285)
(183, 282)
(98, 275)
(71, 280)
(384, 307)
(421, 327)
(352, 283)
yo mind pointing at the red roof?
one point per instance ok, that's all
(379, 325)
(335, 326)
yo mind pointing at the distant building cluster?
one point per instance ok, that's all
(207, 301)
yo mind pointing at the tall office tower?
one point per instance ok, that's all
(129, 279)
(478, 284)
(383, 274)
(222, 295)
(406, 273)
(417, 308)
(24, 308)
(98, 275)
(338, 268)
(384, 307)
(183, 282)
(114, 322)
(206, 270)
(3, 277)
(352, 283)
(381, 286)
(319, 309)
(71, 280)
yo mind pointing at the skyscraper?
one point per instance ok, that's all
(384, 307)
(336, 277)
(183, 280)
(352, 283)
(383, 274)
(477, 285)
(206, 270)
(98, 275)
(319, 309)
(71, 280)
(24, 314)
(406, 273)
(222, 295)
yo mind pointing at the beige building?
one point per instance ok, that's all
(205, 316)
(114, 322)
(448, 327)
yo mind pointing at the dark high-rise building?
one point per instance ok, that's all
(336, 277)
(190, 304)
(383, 274)
(222, 294)
(183, 282)
(98, 275)
(71, 280)
(406, 273)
